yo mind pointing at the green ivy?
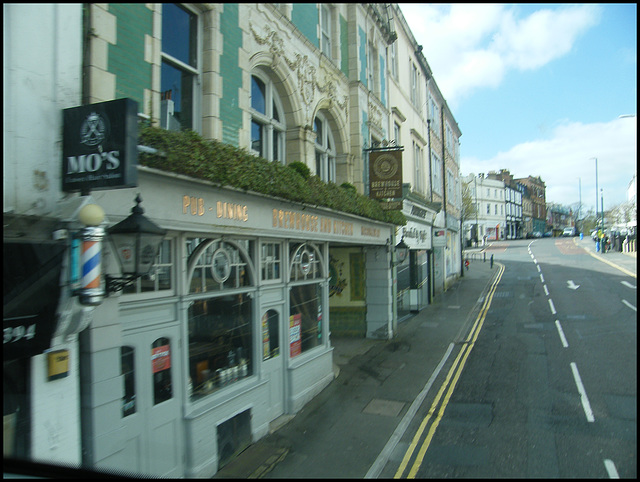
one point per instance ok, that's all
(186, 152)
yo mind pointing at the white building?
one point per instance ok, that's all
(488, 197)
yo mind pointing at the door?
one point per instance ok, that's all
(151, 408)
(273, 359)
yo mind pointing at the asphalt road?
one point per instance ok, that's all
(549, 387)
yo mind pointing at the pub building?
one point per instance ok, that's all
(232, 327)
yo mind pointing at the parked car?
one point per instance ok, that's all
(569, 232)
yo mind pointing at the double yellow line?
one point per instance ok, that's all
(454, 373)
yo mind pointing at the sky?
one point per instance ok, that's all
(539, 90)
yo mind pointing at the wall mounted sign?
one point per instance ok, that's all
(58, 364)
(385, 174)
(439, 238)
(99, 147)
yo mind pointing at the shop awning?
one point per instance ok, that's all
(31, 290)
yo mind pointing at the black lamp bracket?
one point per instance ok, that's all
(118, 284)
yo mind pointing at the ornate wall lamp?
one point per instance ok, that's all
(401, 252)
(137, 241)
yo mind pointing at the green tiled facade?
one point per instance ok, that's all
(305, 17)
(344, 46)
(362, 53)
(231, 73)
(126, 57)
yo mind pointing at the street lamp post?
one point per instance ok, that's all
(602, 207)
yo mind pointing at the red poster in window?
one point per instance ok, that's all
(295, 335)
(160, 358)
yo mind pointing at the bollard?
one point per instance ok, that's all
(484, 257)
(491, 261)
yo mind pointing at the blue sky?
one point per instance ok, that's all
(538, 89)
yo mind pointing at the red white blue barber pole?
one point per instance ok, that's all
(90, 291)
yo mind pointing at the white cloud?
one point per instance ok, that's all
(489, 40)
(568, 155)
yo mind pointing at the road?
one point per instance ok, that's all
(549, 386)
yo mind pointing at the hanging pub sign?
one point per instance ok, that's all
(385, 174)
(99, 148)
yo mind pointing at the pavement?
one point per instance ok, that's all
(625, 262)
(345, 428)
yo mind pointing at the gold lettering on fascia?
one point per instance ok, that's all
(196, 206)
(373, 232)
(310, 222)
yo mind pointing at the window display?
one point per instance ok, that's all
(305, 320)
(220, 342)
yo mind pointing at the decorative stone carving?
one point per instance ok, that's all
(303, 69)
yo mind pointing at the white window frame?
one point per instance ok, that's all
(326, 23)
(272, 131)
(393, 60)
(414, 76)
(418, 167)
(325, 150)
(436, 172)
(196, 121)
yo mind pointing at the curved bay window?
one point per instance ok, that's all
(305, 299)
(220, 315)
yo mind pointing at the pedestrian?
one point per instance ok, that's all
(466, 264)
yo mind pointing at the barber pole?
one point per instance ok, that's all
(90, 292)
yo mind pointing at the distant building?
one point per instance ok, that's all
(533, 205)
(513, 204)
(488, 198)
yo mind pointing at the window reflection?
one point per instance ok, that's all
(270, 335)
(220, 342)
(127, 367)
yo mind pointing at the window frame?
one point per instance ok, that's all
(137, 291)
(325, 149)
(195, 72)
(418, 167)
(272, 128)
(326, 30)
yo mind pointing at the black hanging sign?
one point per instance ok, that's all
(99, 148)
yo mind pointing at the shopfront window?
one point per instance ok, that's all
(220, 265)
(270, 335)
(220, 323)
(161, 369)
(270, 261)
(220, 342)
(305, 262)
(305, 320)
(127, 364)
(160, 278)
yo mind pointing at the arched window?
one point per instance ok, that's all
(267, 120)
(325, 149)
